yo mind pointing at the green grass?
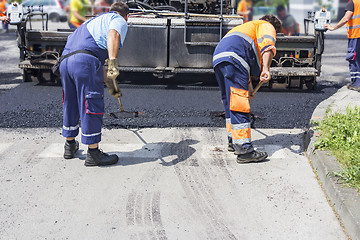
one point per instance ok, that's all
(340, 134)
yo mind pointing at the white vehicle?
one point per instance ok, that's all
(54, 8)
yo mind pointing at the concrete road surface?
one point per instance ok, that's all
(170, 183)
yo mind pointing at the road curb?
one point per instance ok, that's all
(345, 200)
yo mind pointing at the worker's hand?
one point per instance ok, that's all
(114, 91)
(5, 19)
(329, 27)
(265, 76)
(113, 70)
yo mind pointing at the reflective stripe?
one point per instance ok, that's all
(71, 128)
(355, 16)
(241, 133)
(91, 135)
(355, 77)
(353, 27)
(259, 40)
(234, 55)
(241, 141)
(228, 125)
(354, 72)
(249, 40)
(240, 126)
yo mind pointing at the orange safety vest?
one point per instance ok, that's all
(353, 25)
(262, 33)
(2, 8)
(239, 47)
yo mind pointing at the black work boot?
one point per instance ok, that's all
(253, 156)
(96, 157)
(351, 87)
(70, 149)
(231, 147)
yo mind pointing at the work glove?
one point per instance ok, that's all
(113, 71)
(113, 90)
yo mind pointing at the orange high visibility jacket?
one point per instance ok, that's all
(243, 6)
(2, 7)
(353, 25)
(243, 46)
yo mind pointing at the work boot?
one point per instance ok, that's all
(70, 149)
(353, 88)
(253, 156)
(96, 157)
(231, 147)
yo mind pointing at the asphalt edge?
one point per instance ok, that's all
(344, 200)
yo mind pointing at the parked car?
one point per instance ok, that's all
(54, 8)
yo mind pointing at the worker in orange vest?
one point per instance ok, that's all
(289, 25)
(246, 50)
(245, 9)
(352, 19)
(5, 20)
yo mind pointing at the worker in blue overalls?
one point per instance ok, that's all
(246, 50)
(82, 76)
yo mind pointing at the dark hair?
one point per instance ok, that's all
(280, 8)
(273, 20)
(120, 7)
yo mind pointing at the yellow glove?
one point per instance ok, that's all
(113, 90)
(113, 71)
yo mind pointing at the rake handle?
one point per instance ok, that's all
(257, 88)
(121, 106)
(117, 89)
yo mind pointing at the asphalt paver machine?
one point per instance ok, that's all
(166, 43)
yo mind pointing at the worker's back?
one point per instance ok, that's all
(247, 41)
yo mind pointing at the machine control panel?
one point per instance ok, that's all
(15, 13)
(321, 18)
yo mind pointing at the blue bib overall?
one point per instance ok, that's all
(82, 78)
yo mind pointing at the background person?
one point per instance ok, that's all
(352, 19)
(289, 25)
(82, 78)
(3, 7)
(239, 55)
(245, 9)
(78, 11)
(102, 7)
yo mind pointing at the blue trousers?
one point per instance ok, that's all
(353, 56)
(82, 78)
(234, 84)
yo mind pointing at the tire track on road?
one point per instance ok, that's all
(195, 182)
(143, 215)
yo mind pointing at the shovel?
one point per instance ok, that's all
(122, 113)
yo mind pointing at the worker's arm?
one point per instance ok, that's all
(78, 16)
(5, 19)
(290, 30)
(265, 73)
(243, 13)
(341, 23)
(113, 43)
